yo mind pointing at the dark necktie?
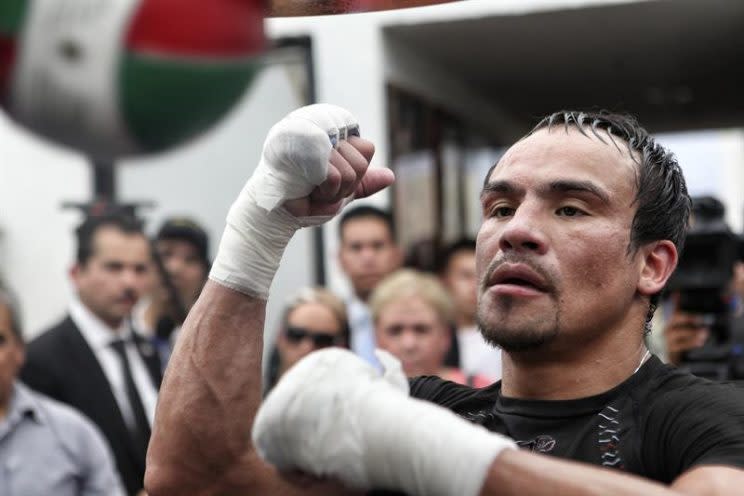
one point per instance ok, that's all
(141, 431)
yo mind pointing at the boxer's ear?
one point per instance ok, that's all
(658, 260)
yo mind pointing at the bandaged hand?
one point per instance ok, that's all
(333, 415)
(313, 162)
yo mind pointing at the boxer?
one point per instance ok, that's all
(583, 221)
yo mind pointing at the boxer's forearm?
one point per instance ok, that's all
(208, 399)
(312, 162)
(520, 473)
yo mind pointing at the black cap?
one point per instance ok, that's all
(185, 229)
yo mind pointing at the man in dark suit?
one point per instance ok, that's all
(93, 360)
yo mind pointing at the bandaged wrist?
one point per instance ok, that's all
(294, 161)
(252, 246)
(424, 449)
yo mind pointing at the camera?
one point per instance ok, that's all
(702, 281)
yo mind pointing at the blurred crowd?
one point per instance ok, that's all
(83, 392)
(77, 402)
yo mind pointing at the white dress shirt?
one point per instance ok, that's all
(99, 337)
(362, 330)
(164, 347)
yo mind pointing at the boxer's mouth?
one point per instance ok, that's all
(519, 275)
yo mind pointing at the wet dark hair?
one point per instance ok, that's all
(663, 203)
(366, 212)
(86, 232)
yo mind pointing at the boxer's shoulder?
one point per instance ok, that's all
(451, 395)
(657, 386)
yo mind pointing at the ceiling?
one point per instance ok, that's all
(676, 64)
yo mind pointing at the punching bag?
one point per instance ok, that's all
(116, 78)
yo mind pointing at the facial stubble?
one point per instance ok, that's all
(525, 336)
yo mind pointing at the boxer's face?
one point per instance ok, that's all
(411, 330)
(552, 256)
(309, 327)
(368, 253)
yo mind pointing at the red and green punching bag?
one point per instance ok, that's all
(115, 78)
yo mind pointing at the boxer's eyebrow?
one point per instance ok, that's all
(501, 187)
(577, 187)
(506, 188)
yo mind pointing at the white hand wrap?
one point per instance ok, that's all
(333, 415)
(294, 161)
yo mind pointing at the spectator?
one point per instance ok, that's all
(457, 271)
(413, 315)
(93, 360)
(47, 448)
(367, 254)
(314, 319)
(182, 247)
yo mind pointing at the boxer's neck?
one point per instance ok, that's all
(587, 371)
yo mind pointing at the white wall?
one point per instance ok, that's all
(36, 244)
(713, 164)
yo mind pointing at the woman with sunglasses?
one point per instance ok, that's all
(313, 319)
